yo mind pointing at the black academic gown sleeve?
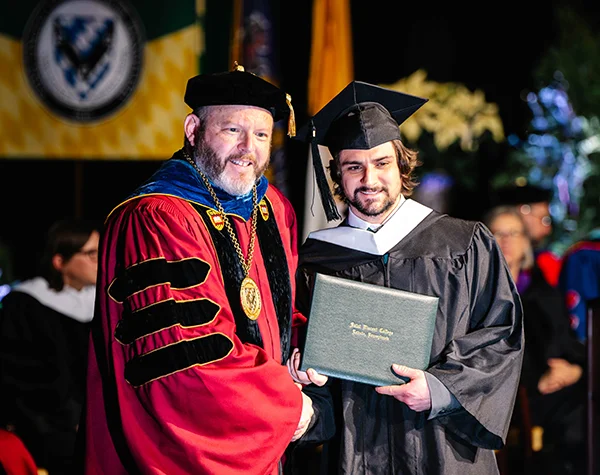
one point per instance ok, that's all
(482, 357)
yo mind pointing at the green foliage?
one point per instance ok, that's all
(561, 148)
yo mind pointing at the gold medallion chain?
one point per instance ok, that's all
(249, 293)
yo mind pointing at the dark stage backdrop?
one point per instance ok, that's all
(493, 50)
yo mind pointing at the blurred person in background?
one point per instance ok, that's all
(554, 359)
(44, 332)
(533, 204)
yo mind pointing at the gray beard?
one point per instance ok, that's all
(208, 161)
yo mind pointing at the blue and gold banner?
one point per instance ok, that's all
(96, 79)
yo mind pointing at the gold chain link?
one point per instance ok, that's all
(246, 263)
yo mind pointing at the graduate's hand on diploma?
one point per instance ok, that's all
(415, 394)
(305, 416)
(304, 377)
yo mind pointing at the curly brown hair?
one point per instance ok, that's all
(407, 162)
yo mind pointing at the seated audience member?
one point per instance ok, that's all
(44, 331)
(533, 204)
(580, 280)
(552, 366)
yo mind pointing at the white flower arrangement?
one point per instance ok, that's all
(453, 113)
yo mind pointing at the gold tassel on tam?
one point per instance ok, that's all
(292, 118)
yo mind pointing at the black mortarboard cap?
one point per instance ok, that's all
(239, 87)
(361, 116)
(517, 195)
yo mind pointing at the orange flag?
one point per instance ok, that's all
(331, 63)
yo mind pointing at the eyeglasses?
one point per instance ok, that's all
(508, 234)
(90, 253)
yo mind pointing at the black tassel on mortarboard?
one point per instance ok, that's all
(331, 211)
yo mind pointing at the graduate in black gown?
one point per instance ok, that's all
(44, 332)
(449, 418)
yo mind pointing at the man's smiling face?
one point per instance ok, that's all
(371, 181)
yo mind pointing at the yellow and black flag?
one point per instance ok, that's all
(96, 79)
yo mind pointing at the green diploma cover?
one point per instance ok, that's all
(357, 330)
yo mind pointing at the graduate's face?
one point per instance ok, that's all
(371, 181)
(234, 146)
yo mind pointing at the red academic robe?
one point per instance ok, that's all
(180, 381)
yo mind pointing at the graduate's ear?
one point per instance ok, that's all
(191, 126)
(58, 262)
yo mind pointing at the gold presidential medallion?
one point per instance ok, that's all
(250, 298)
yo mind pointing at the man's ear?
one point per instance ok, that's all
(58, 262)
(191, 126)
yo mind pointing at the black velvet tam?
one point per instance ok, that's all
(361, 116)
(237, 87)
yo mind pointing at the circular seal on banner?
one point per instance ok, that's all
(83, 58)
